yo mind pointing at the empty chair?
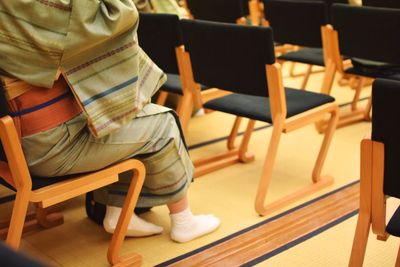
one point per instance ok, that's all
(229, 11)
(45, 192)
(379, 171)
(382, 3)
(255, 80)
(299, 23)
(368, 36)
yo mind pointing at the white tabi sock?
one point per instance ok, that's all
(185, 226)
(137, 226)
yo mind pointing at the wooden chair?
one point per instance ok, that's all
(255, 80)
(382, 3)
(379, 171)
(366, 35)
(45, 192)
(292, 27)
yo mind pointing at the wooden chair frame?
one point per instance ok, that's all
(256, 10)
(372, 213)
(335, 64)
(281, 124)
(16, 173)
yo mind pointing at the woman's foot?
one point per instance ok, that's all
(137, 226)
(185, 226)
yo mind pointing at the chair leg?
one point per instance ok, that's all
(162, 98)
(316, 174)
(330, 71)
(229, 157)
(18, 215)
(329, 76)
(268, 166)
(244, 155)
(291, 71)
(306, 77)
(360, 240)
(184, 110)
(398, 259)
(118, 237)
(357, 93)
(368, 107)
(234, 133)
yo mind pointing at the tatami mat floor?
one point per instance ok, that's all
(228, 193)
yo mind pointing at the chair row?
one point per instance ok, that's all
(210, 54)
(357, 42)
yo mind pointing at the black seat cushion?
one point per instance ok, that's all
(374, 69)
(308, 55)
(39, 182)
(393, 227)
(258, 108)
(173, 84)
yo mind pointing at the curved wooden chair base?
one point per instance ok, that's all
(219, 161)
(263, 210)
(346, 119)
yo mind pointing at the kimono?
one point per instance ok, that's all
(90, 47)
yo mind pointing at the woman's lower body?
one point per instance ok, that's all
(153, 137)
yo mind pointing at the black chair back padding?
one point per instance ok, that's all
(229, 56)
(159, 35)
(368, 32)
(382, 3)
(245, 7)
(216, 10)
(296, 22)
(386, 129)
(393, 226)
(39, 182)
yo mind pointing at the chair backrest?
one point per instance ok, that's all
(159, 35)
(296, 22)
(368, 32)
(385, 129)
(229, 56)
(228, 11)
(382, 3)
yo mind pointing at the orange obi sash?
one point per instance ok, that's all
(41, 109)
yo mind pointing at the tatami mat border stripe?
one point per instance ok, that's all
(193, 252)
(300, 240)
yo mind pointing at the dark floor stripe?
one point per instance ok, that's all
(193, 252)
(300, 239)
(216, 140)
